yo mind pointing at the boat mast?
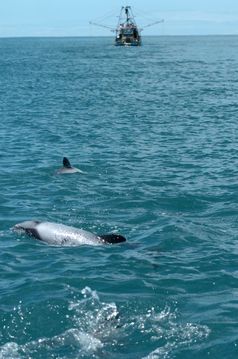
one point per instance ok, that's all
(127, 13)
(130, 19)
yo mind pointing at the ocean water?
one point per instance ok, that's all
(155, 129)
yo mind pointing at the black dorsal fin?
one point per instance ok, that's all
(66, 163)
(112, 238)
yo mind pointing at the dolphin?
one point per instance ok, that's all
(67, 168)
(62, 235)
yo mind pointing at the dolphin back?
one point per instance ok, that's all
(68, 168)
(60, 234)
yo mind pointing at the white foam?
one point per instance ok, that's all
(9, 350)
(87, 343)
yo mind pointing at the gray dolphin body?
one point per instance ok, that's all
(62, 235)
(67, 168)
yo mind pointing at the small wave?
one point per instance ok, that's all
(170, 335)
(83, 344)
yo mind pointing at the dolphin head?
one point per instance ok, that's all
(28, 227)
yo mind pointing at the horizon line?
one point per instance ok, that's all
(107, 36)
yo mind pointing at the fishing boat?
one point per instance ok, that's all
(127, 31)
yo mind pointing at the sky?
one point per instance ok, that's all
(72, 17)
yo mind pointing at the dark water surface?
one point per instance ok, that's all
(156, 131)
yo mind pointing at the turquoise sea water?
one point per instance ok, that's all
(156, 131)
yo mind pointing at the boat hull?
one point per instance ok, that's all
(127, 43)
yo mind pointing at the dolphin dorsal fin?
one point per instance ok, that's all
(112, 238)
(66, 163)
